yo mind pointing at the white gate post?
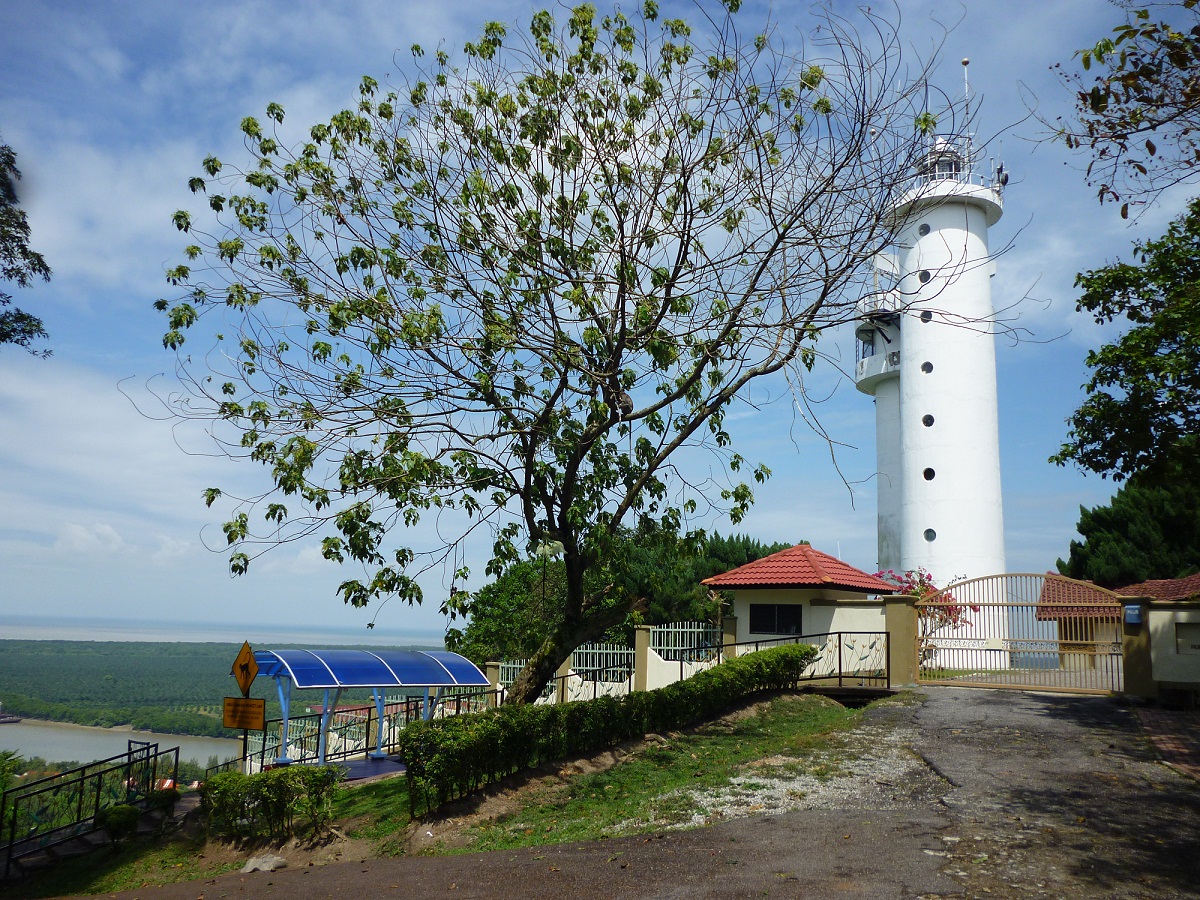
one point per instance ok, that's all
(641, 657)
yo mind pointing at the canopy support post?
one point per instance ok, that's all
(326, 716)
(285, 706)
(427, 713)
(378, 753)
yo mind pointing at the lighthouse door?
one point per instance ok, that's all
(1032, 632)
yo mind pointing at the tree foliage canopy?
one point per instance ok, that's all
(1138, 111)
(1143, 399)
(512, 616)
(1148, 530)
(512, 291)
(19, 265)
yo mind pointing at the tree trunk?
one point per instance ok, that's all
(556, 649)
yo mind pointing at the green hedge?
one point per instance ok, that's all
(451, 757)
(271, 803)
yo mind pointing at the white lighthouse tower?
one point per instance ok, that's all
(927, 354)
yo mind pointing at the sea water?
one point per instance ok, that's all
(61, 742)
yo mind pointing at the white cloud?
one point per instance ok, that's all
(97, 539)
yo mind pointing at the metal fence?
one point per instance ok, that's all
(49, 811)
(1022, 631)
(603, 662)
(686, 641)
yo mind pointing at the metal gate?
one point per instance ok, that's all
(1031, 632)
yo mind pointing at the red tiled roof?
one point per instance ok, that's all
(1165, 588)
(800, 566)
(1065, 599)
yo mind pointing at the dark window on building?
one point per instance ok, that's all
(775, 618)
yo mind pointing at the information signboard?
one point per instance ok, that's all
(248, 714)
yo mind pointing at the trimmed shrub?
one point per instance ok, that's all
(269, 804)
(224, 801)
(451, 757)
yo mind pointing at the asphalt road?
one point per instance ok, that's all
(1041, 795)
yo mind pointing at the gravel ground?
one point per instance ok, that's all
(873, 767)
(969, 793)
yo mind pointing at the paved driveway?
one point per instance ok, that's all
(1036, 795)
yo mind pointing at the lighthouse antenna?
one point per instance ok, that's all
(966, 64)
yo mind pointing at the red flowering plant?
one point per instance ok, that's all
(946, 613)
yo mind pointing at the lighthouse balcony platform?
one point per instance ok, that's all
(880, 305)
(873, 369)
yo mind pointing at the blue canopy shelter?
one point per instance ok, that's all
(337, 670)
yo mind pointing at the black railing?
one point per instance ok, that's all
(621, 673)
(847, 657)
(857, 658)
(861, 657)
(352, 731)
(62, 807)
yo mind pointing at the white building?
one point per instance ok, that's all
(926, 352)
(802, 591)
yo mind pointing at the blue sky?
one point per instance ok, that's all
(111, 107)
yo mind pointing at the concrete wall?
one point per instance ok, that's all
(1175, 642)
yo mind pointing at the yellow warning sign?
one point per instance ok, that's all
(245, 669)
(245, 713)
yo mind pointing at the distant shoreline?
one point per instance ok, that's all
(98, 630)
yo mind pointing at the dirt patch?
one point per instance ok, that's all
(450, 828)
(333, 847)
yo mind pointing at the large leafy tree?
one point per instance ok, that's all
(513, 292)
(19, 265)
(1138, 102)
(1150, 529)
(1142, 404)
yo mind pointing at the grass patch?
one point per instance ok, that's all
(376, 812)
(137, 863)
(655, 785)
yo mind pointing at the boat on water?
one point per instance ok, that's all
(7, 718)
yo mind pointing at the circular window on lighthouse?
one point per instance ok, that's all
(923, 230)
(930, 535)
(927, 420)
(928, 474)
(927, 367)
(924, 276)
(926, 316)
